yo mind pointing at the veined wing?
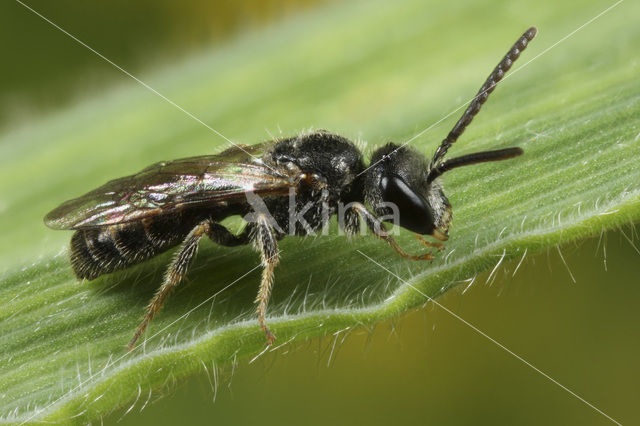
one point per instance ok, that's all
(167, 187)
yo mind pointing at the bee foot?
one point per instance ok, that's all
(428, 243)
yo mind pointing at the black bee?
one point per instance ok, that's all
(131, 219)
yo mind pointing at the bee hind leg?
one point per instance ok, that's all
(175, 272)
(222, 236)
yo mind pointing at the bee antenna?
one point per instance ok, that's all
(486, 89)
(475, 158)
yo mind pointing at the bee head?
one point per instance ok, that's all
(398, 190)
(402, 186)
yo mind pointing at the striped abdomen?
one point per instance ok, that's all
(101, 250)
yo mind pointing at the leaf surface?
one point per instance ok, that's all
(574, 110)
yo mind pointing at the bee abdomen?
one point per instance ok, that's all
(98, 251)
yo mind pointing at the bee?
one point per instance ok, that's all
(134, 218)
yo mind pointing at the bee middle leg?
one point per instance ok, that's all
(380, 231)
(265, 240)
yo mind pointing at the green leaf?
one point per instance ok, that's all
(372, 73)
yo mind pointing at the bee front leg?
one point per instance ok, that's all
(176, 271)
(429, 243)
(266, 242)
(380, 231)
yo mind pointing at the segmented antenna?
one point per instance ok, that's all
(488, 87)
(475, 158)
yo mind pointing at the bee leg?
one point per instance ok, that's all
(380, 231)
(222, 236)
(266, 242)
(349, 222)
(429, 243)
(176, 271)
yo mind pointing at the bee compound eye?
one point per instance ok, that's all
(413, 210)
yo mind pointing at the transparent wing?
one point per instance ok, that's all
(170, 186)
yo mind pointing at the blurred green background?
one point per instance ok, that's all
(425, 367)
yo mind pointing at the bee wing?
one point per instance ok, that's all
(167, 187)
